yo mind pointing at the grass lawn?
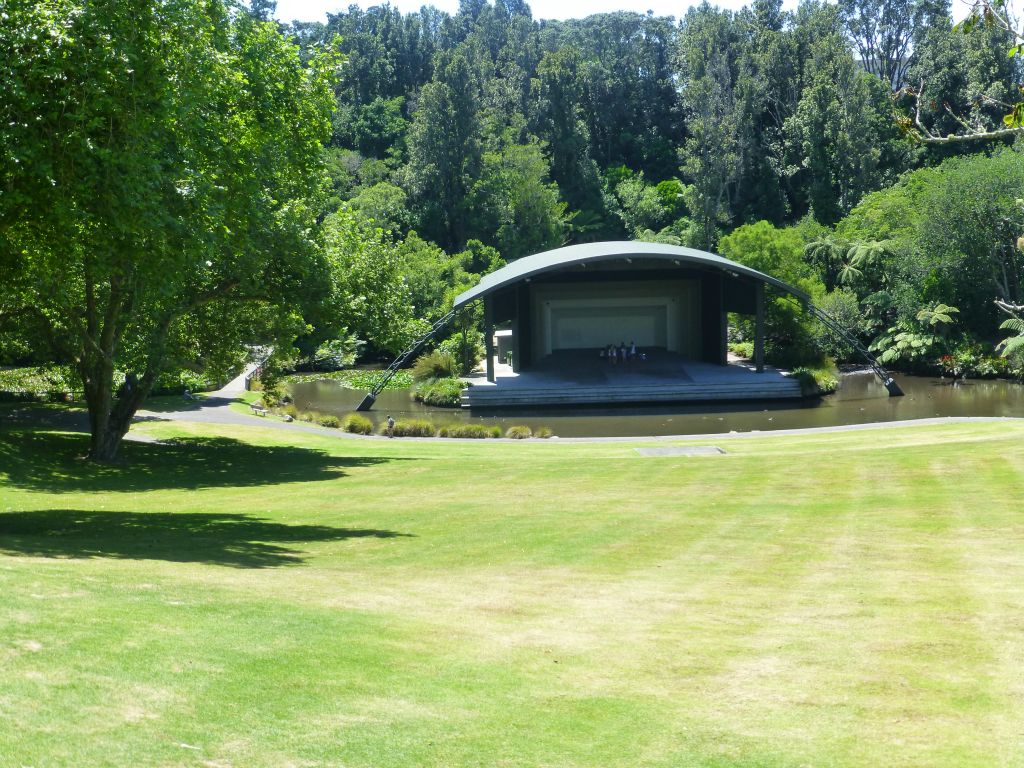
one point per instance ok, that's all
(255, 597)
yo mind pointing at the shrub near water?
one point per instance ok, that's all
(411, 428)
(816, 381)
(474, 431)
(443, 393)
(435, 365)
(327, 420)
(357, 425)
(518, 432)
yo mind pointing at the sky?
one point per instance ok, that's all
(316, 10)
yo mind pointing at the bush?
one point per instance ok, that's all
(175, 382)
(475, 431)
(744, 349)
(411, 428)
(357, 425)
(442, 393)
(543, 433)
(328, 420)
(310, 416)
(821, 380)
(467, 354)
(518, 432)
(274, 396)
(435, 365)
(39, 382)
(290, 410)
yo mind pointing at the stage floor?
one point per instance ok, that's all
(581, 377)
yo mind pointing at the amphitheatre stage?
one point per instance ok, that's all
(547, 316)
(582, 377)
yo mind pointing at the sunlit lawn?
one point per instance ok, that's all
(254, 597)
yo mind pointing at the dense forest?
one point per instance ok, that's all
(490, 130)
(184, 179)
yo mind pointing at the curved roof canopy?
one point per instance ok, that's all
(590, 253)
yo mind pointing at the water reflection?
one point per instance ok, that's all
(861, 399)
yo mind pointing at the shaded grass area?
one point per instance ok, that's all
(841, 599)
(224, 539)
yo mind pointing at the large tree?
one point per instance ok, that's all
(156, 163)
(445, 150)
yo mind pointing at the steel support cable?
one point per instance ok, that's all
(403, 358)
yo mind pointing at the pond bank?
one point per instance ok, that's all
(860, 400)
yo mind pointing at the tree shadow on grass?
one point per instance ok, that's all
(239, 541)
(52, 462)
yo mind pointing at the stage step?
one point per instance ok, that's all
(776, 389)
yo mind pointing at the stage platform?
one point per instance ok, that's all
(583, 378)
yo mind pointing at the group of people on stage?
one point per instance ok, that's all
(622, 353)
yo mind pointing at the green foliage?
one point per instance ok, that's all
(970, 359)
(440, 393)
(434, 365)
(410, 428)
(843, 307)
(644, 207)
(971, 84)
(938, 317)
(176, 382)
(742, 349)
(355, 379)
(817, 380)
(337, 353)
(516, 201)
(789, 332)
(543, 433)
(471, 431)
(518, 432)
(445, 149)
(384, 205)
(1012, 347)
(328, 420)
(368, 293)
(919, 342)
(42, 381)
(843, 127)
(357, 424)
(164, 215)
(467, 349)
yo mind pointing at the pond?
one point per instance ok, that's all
(861, 399)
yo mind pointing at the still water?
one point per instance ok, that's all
(861, 399)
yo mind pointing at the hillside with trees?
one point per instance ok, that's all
(488, 127)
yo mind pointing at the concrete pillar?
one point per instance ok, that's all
(759, 327)
(489, 336)
(714, 319)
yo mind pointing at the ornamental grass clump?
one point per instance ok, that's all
(411, 428)
(543, 433)
(518, 432)
(435, 365)
(815, 381)
(473, 431)
(440, 393)
(328, 420)
(357, 424)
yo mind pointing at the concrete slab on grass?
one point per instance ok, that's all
(682, 450)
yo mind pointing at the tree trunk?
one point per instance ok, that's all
(110, 416)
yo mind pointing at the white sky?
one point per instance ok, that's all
(316, 10)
